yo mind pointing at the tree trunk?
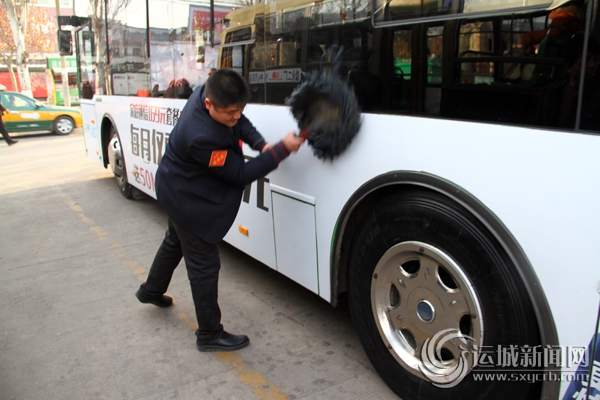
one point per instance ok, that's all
(99, 34)
(11, 71)
(23, 71)
(17, 16)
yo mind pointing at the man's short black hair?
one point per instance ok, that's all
(574, 48)
(226, 87)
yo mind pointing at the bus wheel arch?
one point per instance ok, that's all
(434, 192)
(106, 128)
(114, 154)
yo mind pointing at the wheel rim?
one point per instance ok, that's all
(64, 125)
(115, 159)
(427, 312)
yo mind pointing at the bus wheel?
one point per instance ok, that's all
(117, 164)
(63, 125)
(431, 291)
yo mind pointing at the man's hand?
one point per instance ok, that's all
(292, 142)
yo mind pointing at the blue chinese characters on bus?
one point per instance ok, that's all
(586, 385)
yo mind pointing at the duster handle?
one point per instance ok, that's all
(304, 133)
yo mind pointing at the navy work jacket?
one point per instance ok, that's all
(201, 177)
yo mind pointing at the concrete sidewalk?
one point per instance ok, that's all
(73, 252)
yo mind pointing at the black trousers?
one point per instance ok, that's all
(4, 132)
(203, 265)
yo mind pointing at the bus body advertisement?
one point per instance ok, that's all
(461, 225)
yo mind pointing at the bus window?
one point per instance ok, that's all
(434, 53)
(340, 26)
(492, 77)
(181, 44)
(353, 44)
(129, 66)
(241, 35)
(337, 24)
(468, 69)
(257, 59)
(402, 62)
(513, 30)
(433, 86)
(476, 40)
(233, 57)
(257, 55)
(406, 11)
(283, 36)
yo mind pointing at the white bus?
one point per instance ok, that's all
(461, 224)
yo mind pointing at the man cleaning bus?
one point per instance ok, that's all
(199, 182)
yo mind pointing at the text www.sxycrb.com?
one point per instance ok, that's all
(530, 377)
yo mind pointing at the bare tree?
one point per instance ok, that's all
(99, 10)
(7, 47)
(40, 37)
(17, 16)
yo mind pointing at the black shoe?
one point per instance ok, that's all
(12, 141)
(225, 342)
(159, 301)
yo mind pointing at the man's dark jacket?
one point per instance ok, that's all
(201, 177)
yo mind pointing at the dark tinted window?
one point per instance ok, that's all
(508, 69)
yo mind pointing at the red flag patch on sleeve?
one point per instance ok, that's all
(217, 158)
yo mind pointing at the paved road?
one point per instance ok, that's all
(72, 254)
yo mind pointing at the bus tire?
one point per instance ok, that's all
(117, 164)
(424, 270)
(63, 125)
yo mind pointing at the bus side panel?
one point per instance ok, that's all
(91, 131)
(252, 230)
(144, 125)
(537, 182)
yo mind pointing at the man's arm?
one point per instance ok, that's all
(234, 169)
(250, 135)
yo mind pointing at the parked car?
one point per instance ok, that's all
(29, 115)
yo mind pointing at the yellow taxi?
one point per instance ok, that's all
(29, 115)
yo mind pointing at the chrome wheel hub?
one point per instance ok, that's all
(64, 125)
(426, 311)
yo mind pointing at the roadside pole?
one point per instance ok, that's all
(63, 63)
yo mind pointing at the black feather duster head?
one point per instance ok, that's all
(327, 109)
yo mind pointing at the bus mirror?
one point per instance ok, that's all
(65, 43)
(200, 54)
